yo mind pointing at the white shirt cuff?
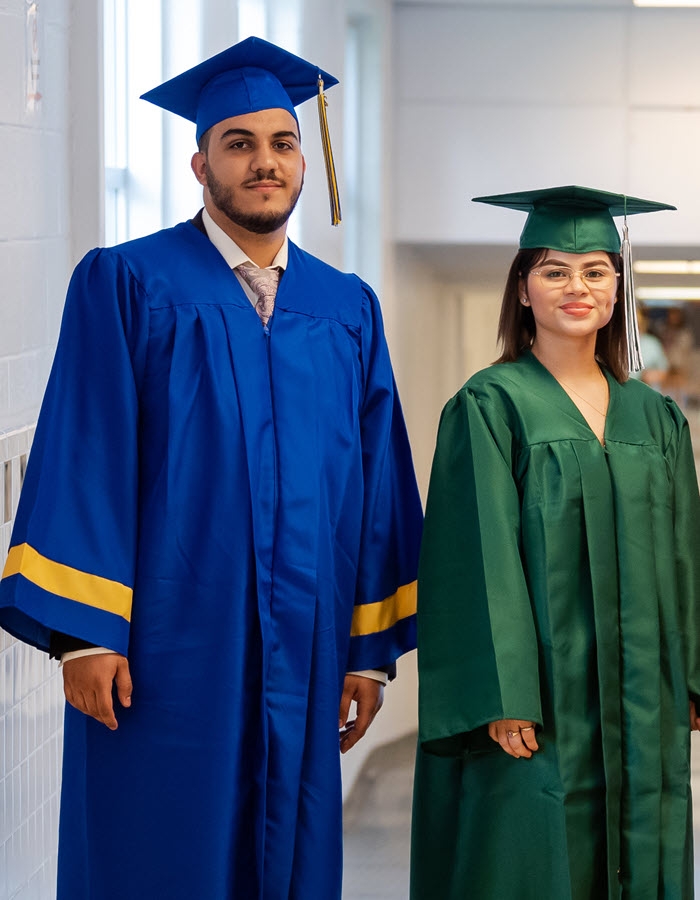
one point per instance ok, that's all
(374, 674)
(87, 651)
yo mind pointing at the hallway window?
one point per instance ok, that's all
(252, 18)
(132, 41)
(363, 147)
(115, 83)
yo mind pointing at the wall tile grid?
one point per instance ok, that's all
(31, 724)
(34, 267)
(34, 183)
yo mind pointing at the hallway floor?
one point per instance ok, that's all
(378, 824)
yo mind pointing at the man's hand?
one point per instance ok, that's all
(87, 683)
(368, 694)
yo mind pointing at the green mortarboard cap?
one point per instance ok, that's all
(572, 219)
(250, 76)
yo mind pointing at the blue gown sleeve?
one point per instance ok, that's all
(71, 562)
(384, 619)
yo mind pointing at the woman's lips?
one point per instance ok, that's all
(576, 309)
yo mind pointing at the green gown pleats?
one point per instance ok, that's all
(559, 583)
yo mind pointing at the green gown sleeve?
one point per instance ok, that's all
(687, 546)
(477, 647)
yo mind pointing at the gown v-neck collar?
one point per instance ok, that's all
(565, 403)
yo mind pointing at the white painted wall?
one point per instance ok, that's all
(494, 98)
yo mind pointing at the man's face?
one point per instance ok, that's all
(253, 169)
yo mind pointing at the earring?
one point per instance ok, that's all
(524, 301)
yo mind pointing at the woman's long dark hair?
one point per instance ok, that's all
(516, 326)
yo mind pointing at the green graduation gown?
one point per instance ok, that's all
(559, 582)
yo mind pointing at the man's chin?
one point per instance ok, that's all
(257, 222)
(260, 224)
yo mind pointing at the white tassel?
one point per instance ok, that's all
(634, 346)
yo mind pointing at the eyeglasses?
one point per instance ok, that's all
(596, 278)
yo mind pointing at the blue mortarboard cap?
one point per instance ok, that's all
(250, 76)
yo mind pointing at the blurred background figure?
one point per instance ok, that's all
(655, 360)
(678, 344)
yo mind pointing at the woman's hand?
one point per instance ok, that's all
(694, 718)
(516, 736)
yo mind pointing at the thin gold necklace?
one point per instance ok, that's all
(581, 397)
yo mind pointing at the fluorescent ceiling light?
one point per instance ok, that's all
(667, 266)
(667, 3)
(667, 293)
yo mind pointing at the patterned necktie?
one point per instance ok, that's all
(263, 283)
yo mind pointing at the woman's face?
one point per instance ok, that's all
(570, 294)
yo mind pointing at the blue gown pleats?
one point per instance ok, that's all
(245, 472)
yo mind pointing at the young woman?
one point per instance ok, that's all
(559, 597)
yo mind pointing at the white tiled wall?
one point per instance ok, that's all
(35, 234)
(34, 188)
(31, 720)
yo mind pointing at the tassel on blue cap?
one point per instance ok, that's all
(333, 193)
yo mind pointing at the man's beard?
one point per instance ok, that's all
(258, 223)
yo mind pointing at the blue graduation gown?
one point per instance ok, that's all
(234, 508)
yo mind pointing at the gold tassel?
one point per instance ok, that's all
(333, 194)
(634, 348)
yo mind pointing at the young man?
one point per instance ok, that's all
(220, 511)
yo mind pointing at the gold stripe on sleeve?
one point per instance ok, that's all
(54, 577)
(369, 618)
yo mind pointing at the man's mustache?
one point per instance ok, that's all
(261, 176)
